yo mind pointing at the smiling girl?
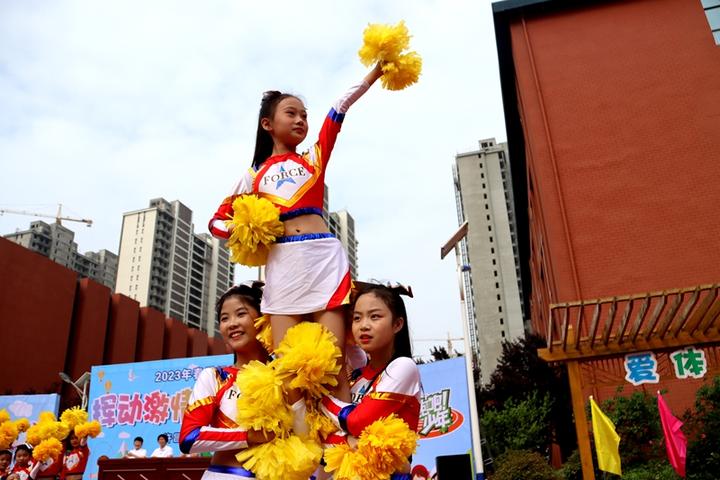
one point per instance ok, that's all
(208, 424)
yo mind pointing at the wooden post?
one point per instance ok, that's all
(581, 422)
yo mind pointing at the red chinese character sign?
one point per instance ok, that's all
(141, 400)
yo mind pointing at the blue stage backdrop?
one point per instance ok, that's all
(29, 406)
(141, 400)
(148, 398)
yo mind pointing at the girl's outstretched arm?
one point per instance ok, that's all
(374, 74)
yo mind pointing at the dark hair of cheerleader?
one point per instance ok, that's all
(263, 140)
(249, 295)
(401, 344)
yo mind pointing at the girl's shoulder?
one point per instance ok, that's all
(403, 366)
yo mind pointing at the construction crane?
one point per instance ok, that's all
(58, 218)
(448, 339)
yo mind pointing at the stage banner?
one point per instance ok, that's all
(444, 414)
(29, 406)
(141, 399)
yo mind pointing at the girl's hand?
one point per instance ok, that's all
(256, 437)
(374, 74)
(352, 441)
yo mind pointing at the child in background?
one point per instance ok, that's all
(23, 464)
(5, 460)
(75, 459)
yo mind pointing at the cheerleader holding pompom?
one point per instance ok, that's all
(307, 271)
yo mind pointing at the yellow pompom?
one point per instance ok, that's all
(4, 415)
(264, 332)
(62, 430)
(48, 448)
(255, 226)
(383, 43)
(47, 416)
(8, 434)
(402, 72)
(74, 416)
(261, 406)
(290, 458)
(22, 424)
(309, 357)
(319, 425)
(383, 448)
(88, 429)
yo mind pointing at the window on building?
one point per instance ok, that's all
(501, 155)
(492, 250)
(495, 272)
(482, 175)
(481, 165)
(498, 297)
(502, 322)
(487, 207)
(500, 308)
(502, 334)
(494, 262)
(489, 228)
(487, 216)
(483, 185)
(485, 196)
(712, 12)
(491, 239)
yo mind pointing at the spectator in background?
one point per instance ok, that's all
(163, 451)
(138, 451)
(5, 460)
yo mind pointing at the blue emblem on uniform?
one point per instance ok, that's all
(284, 178)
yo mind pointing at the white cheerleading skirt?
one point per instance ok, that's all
(222, 472)
(305, 274)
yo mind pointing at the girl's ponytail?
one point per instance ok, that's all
(263, 140)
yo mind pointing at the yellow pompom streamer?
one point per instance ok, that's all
(4, 415)
(88, 429)
(256, 224)
(290, 458)
(383, 448)
(264, 332)
(385, 44)
(402, 72)
(8, 434)
(48, 448)
(47, 429)
(261, 406)
(47, 417)
(319, 425)
(74, 416)
(22, 424)
(309, 357)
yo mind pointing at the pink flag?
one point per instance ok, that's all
(675, 441)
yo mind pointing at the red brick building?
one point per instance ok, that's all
(613, 121)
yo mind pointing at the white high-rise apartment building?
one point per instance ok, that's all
(57, 242)
(483, 192)
(164, 265)
(342, 225)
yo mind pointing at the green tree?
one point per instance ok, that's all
(703, 456)
(519, 425)
(521, 373)
(523, 465)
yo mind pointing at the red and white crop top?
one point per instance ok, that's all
(208, 424)
(295, 183)
(375, 395)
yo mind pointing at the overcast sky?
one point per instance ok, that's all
(105, 105)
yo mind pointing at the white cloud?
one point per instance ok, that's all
(123, 435)
(106, 105)
(20, 409)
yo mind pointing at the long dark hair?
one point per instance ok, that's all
(263, 140)
(394, 302)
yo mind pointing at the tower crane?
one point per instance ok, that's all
(448, 339)
(58, 217)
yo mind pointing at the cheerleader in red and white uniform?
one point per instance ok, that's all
(390, 382)
(208, 424)
(75, 459)
(307, 270)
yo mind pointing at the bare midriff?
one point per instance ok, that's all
(305, 224)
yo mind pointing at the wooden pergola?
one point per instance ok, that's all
(591, 329)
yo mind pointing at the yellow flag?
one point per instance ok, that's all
(606, 440)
